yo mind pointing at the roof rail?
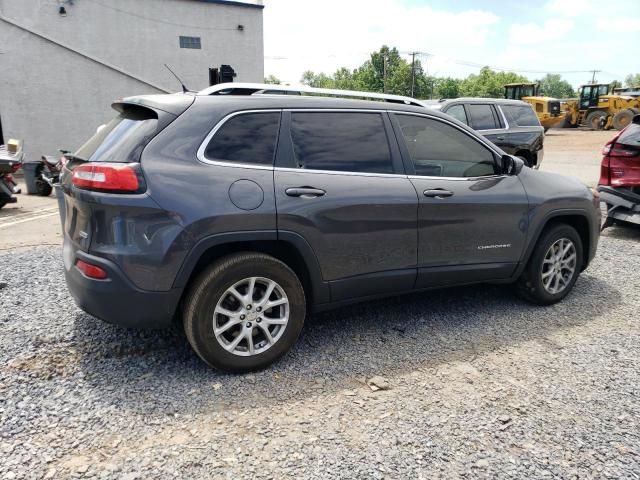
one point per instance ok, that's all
(271, 89)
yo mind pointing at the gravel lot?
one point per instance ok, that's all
(481, 385)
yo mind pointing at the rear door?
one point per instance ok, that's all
(486, 120)
(472, 220)
(340, 185)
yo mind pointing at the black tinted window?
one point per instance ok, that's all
(457, 112)
(348, 142)
(520, 115)
(630, 136)
(482, 117)
(123, 138)
(246, 138)
(440, 150)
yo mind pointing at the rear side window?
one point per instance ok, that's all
(520, 115)
(246, 138)
(123, 138)
(630, 136)
(441, 150)
(340, 141)
(457, 112)
(482, 117)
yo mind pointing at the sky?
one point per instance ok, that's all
(456, 38)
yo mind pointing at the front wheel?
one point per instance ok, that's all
(244, 312)
(553, 268)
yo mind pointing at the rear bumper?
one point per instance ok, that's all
(622, 204)
(116, 300)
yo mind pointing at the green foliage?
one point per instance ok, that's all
(552, 85)
(489, 83)
(388, 72)
(632, 80)
(272, 79)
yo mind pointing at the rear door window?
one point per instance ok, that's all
(483, 117)
(520, 115)
(123, 138)
(457, 112)
(246, 138)
(630, 136)
(340, 141)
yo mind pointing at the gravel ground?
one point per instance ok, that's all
(481, 385)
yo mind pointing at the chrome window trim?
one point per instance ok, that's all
(340, 172)
(203, 146)
(504, 118)
(463, 179)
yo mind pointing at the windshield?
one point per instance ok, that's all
(122, 139)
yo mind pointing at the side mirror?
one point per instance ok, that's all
(511, 165)
(636, 119)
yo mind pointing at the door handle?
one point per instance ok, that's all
(304, 192)
(500, 138)
(437, 193)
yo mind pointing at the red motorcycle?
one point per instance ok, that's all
(619, 183)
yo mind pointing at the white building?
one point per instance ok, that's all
(63, 62)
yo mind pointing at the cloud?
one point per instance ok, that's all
(570, 8)
(619, 25)
(532, 33)
(323, 36)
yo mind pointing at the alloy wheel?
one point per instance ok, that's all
(559, 266)
(251, 316)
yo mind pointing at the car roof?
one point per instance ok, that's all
(501, 101)
(266, 101)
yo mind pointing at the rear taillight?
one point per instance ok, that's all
(108, 177)
(91, 271)
(619, 150)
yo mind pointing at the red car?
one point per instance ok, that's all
(619, 183)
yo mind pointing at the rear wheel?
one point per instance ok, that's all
(244, 312)
(42, 187)
(596, 120)
(622, 118)
(553, 268)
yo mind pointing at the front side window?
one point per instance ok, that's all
(521, 115)
(482, 117)
(246, 138)
(457, 112)
(441, 150)
(340, 141)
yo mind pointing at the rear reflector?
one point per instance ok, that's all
(110, 177)
(91, 271)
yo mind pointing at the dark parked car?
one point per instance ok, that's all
(241, 214)
(510, 124)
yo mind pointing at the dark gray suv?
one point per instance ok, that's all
(510, 124)
(241, 214)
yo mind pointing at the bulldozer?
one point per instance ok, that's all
(547, 108)
(600, 110)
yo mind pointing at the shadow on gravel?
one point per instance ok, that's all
(156, 371)
(627, 231)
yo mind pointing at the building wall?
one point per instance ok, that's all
(59, 75)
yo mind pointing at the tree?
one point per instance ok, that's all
(489, 83)
(552, 85)
(317, 80)
(632, 80)
(447, 87)
(272, 79)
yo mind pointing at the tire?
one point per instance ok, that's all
(594, 119)
(209, 294)
(622, 118)
(530, 285)
(2, 204)
(566, 123)
(42, 187)
(525, 157)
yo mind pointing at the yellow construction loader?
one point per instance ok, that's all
(547, 108)
(598, 109)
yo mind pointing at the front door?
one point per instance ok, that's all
(472, 220)
(340, 185)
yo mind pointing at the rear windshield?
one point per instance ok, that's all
(520, 115)
(123, 138)
(630, 136)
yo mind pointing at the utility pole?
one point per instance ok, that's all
(413, 71)
(593, 77)
(384, 74)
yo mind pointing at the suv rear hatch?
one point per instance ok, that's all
(106, 171)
